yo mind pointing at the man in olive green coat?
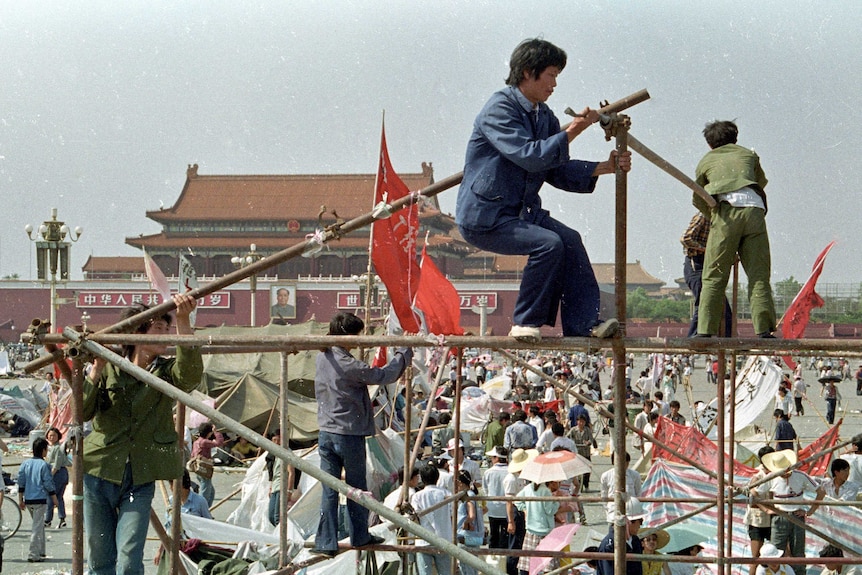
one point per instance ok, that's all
(133, 443)
(733, 176)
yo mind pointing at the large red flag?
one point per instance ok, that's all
(438, 300)
(799, 312)
(394, 243)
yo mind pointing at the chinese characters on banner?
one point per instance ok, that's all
(121, 299)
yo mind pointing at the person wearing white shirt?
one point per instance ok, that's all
(438, 521)
(799, 393)
(838, 487)
(550, 392)
(608, 484)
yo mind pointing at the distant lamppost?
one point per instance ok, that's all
(85, 317)
(53, 254)
(242, 261)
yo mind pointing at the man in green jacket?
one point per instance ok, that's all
(733, 176)
(133, 443)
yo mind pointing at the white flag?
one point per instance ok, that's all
(188, 281)
(157, 279)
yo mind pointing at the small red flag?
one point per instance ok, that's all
(394, 243)
(799, 312)
(438, 300)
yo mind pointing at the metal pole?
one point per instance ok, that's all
(619, 354)
(285, 454)
(286, 488)
(177, 503)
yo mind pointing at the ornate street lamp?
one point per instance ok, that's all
(53, 254)
(242, 261)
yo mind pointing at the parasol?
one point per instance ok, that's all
(556, 466)
(556, 540)
(686, 534)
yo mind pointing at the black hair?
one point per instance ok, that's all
(55, 430)
(534, 55)
(345, 323)
(720, 133)
(504, 416)
(558, 429)
(187, 479)
(143, 327)
(837, 465)
(779, 413)
(40, 447)
(831, 551)
(519, 415)
(764, 450)
(465, 477)
(429, 475)
(205, 429)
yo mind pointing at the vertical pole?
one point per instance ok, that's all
(456, 453)
(176, 493)
(732, 423)
(408, 467)
(620, 526)
(77, 385)
(721, 429)
(253, 288)
(283, 423)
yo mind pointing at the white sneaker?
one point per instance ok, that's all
(526, 333)
(607, 328)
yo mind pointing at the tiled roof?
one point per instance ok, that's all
(277, 197)
(635, 274)
(128, 264)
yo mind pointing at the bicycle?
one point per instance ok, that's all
(10, 514)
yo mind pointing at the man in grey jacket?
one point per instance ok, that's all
(345, 419)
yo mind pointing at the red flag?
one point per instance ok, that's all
(799, 312)
(394, 243)
(820, 465)
(438, 300)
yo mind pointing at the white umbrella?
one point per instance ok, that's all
(556, 466)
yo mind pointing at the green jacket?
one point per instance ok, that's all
(726, 169)
(134, 422)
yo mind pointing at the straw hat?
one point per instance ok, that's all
(662, 537)
(770, 550)
(519, 459)
(779, 460)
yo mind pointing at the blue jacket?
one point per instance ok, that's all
(508, 159)
(35, 481)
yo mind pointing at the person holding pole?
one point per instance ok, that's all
(516, 147)
(345, 419)
(133, 442)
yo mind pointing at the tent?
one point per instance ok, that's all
(222, 371)
(254, 403)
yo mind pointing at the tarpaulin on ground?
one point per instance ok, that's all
(476, 412)
(667, 480)
(21, 407)
(696, 446)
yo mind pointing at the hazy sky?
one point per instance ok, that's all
(104, 104)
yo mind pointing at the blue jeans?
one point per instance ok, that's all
(425, 561)
(61, 480)
(116, 519)
(341, 452)
(274, 511)
(206, 489)
(692, 270)
(831, 402)
(558, 273)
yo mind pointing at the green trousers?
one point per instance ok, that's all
(732, 231)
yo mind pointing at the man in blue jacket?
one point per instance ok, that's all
(516, 146)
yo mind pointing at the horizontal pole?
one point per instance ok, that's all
(851, 347)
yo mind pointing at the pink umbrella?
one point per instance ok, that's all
(556, 540)
(556, 466)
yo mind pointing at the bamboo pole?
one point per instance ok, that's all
(292, 343)
(285, 454)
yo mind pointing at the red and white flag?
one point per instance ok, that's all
(437, 299)
(394, 243)
(799, 312)
(157, 279)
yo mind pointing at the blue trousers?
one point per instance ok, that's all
(558, 274)
(116, 519)
(692, 270)
(61, 480)
(337, 453)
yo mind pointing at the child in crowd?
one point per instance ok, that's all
(35, 488)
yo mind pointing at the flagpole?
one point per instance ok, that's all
(368, 282)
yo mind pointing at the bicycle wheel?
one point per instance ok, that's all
(10, 516)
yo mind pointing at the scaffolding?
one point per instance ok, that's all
(82, 345)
